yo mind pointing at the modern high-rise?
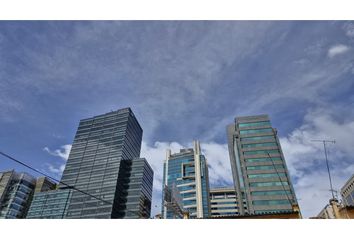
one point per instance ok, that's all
(258, 166)
(104, 163)
(223, 202)
(135, 188)
(16, 192)
(187, 171)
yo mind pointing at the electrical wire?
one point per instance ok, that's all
(56, 180)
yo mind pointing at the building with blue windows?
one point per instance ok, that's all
(187, 172)
(16, 192)
(258, 166)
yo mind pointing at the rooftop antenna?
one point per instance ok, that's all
(329, 173)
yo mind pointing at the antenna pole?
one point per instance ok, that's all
(329, 172)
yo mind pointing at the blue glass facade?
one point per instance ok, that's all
(181, 170)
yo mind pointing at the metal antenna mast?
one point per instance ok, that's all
(329, 173)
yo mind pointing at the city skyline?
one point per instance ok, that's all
(184, 81)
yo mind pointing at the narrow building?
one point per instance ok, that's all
(16, 192)
(187, 171)
(258, 166)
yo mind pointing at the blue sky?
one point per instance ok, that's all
(184, 80)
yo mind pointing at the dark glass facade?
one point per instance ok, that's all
(16, 192)
(101, 162)
(134, 189)
(50, 204)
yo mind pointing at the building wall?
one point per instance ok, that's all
(16, 194)
(258, 166)
(347, 192)
(50, 204)
(223, 202)
(188, 172)
(135, 189)
(43, 184)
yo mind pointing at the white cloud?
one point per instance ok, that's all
(337, 50)
(306, 161)
(349, 29)
(63, 152)
(56, 170)
(217, 158)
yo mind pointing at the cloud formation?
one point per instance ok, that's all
(63, 153)
(337, 50)
(306, 160)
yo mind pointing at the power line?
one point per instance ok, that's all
(281, 182)
(56, 180)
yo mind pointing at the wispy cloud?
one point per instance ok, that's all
(306, 160)
(63, 152)
(217, 158)
(337, 50)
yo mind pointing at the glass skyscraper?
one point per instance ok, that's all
(258, 166)
(187, 171)
(50, 204)
(16, 192)
(104, 162)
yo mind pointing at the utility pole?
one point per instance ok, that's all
(329, 173)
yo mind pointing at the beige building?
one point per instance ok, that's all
(347, 192)
(223, 202)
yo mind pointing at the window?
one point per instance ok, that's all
(268, 184)
(263, 152)
(255, 131)
(267, 193)
(266, 175)
(267, 159)
(270, 202)
(268, 167)
(244, 139)
(268, 144)
(254, 124)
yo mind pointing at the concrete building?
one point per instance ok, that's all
(104, 162)
(258, 166)
(347, 192)
(188, 172)
(16, 192)
(223, 202)
(44, 184)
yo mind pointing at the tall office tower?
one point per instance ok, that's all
(43, 184)
(188, 172)
(16, 191)
(223, 202)
(135, 188)
(347, 192)
(95, 166)
(258, 166)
